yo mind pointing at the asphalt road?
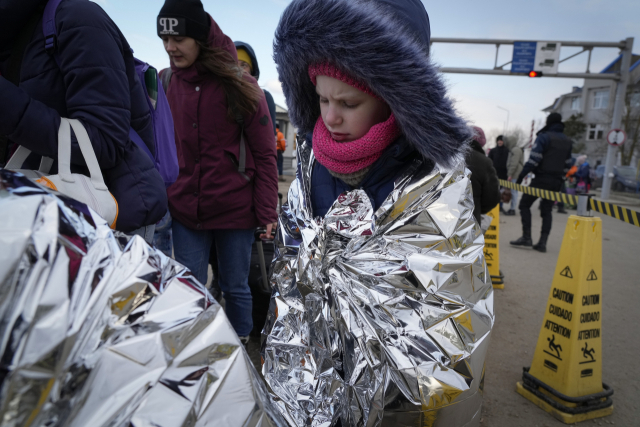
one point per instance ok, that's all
(520, 309)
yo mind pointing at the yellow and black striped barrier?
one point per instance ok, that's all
(544, 194)
(618, 212)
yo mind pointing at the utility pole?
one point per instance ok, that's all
(533, 123)
(621, 92)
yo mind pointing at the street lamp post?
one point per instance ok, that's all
(507, 125)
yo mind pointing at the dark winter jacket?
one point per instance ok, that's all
(255, 72)
(378, 183)
(584, 173)
(484, 180)
(499, 155)
(210, 193)
(402, 55)
(95, 83)
(551, 154)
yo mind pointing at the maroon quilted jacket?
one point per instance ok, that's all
(210, 193)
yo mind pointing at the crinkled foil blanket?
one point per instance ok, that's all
(380, 318)
(97, 329)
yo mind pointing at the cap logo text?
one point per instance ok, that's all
(168, 24)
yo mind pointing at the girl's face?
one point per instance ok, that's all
(183, 51)
(348, 113)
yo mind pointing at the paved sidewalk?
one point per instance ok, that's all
(626, 199)
(520, 309)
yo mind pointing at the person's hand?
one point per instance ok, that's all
(509, 179)
(269, 227)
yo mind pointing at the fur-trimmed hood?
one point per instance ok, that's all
(385, 43)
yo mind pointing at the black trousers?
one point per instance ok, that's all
(545, 183)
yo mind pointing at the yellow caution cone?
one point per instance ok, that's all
(492, 249)
(565, 378)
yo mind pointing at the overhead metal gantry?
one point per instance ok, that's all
(621, 78)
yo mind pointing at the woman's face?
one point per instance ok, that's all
(244, 66)
(183, 51)
(348, 113)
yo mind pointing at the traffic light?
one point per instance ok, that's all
(535, 73)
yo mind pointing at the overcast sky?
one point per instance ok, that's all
(477, 97)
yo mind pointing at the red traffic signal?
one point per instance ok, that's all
(535, 73)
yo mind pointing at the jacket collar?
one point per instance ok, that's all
(475, 145)
(395, 157)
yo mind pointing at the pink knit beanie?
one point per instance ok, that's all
(329, 70)
(479, 136)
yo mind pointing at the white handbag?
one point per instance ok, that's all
(91, 191)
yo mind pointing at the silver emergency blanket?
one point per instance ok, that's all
(99, 329)
(380, 318)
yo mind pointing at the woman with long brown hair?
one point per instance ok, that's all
(228, 181)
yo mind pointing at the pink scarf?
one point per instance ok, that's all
(352, 156)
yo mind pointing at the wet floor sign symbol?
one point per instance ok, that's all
(565, 378)
(492, 249)
(566, 272)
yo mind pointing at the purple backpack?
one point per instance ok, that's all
(166, 157)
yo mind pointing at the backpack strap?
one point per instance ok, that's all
(49, 25)
(165, 78)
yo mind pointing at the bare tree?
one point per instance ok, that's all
(518, 135)
(631, 124)
(575, 128)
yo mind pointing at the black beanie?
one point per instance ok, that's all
(554, 118)
(185, 18)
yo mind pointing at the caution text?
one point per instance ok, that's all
(589, 334)
(558, 329)
(590, 317)
(591, 299)
(563, 295)
(560, 312)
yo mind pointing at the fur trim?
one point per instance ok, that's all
(367, 40)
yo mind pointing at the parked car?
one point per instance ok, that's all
(625, 178)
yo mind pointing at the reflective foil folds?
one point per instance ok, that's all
(99, 329)
(380, 318)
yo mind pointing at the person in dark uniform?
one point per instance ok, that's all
(550, 160)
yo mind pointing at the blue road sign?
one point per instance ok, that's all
(524, 55)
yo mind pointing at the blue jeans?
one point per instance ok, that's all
(145, 232)
(280, 162)
(514, 197)
(191, 249)
(162, 235)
